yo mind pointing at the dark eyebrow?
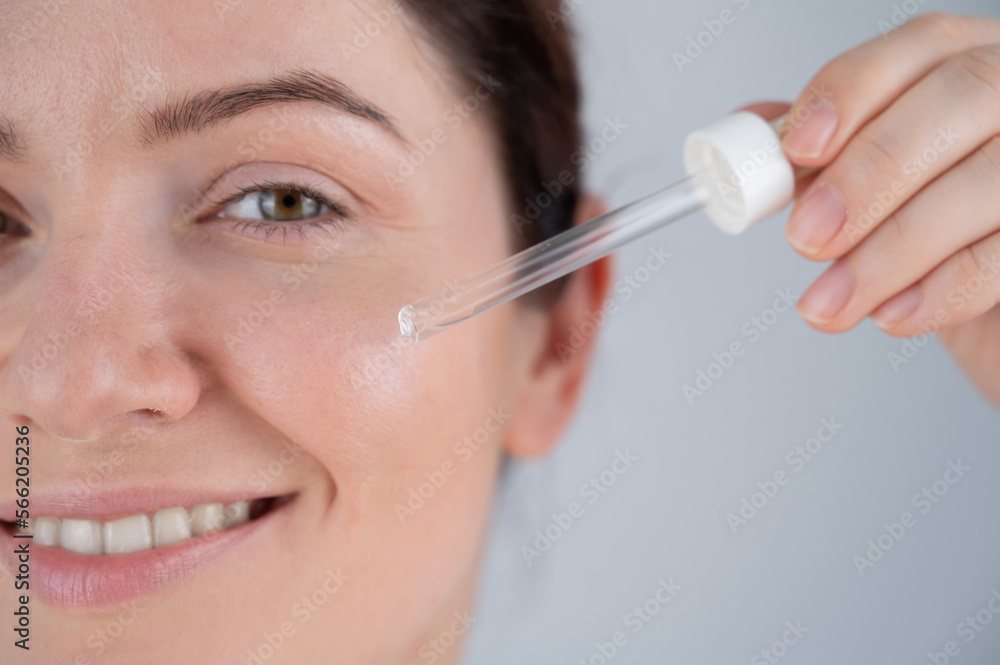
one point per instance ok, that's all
(10, 146)
(192, 114)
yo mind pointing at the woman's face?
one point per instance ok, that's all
(213, 212)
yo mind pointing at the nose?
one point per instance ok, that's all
(96, 352)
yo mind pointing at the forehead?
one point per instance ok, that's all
(71, 67)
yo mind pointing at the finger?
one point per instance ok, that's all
(770, 111)
(957, 210)
(858, 85)
(973, 346)
(964, 287)
(932, 127)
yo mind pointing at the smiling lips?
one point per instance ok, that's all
(80, 562)
(137, 532)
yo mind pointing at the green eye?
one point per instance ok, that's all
(280, 208)
(277, 204)
(288, 205)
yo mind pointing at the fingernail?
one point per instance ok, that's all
(811, 128)
(898, 307)
(816, 219)
(824, 299)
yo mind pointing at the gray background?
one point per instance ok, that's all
(666, 517)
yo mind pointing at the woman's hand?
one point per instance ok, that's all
(907, 127)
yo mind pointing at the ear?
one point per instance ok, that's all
(561, 354)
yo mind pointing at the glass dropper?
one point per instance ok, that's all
(737, 173)
(549, 260)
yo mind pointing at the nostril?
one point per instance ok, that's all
(150, 413)
(112, 381)
(139, 421)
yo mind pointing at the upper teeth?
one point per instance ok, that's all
(137, 532)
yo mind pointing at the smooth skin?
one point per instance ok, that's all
(124, 294)
(907, 131)
(127, 231)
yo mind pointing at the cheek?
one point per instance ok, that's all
(408, 433)
(334, 375)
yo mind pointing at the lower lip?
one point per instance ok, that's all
(71, 580)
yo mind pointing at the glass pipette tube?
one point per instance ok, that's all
(551, 259)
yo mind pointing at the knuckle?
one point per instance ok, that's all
(971, 265)
(980, 67)
(834, 70)
(838, 77)
(826, 84)
(966, 266)
(946, 26)
(845, 77)
(899, 243)
(882, 149)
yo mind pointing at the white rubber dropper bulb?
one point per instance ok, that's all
(741, 169)
(737, 173)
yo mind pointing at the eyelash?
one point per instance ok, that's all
(337, 217)
(339, 214)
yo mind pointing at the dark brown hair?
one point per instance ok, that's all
(525, 46)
